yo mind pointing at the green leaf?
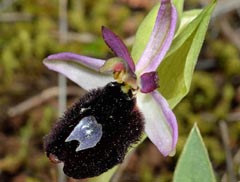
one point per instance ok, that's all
(190, 21)
(194, 164)
(179, 6)
(175, 72)
(187, 17)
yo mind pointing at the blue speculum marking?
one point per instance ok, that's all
(87, 132)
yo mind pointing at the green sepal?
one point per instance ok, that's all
(175, 72)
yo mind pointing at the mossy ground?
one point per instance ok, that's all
(214, 94)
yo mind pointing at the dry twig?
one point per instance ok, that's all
(6, 4)
(225, 6)
(229, 32)
(236, 161)
(229, 161)
(15, 17)
(40, 99)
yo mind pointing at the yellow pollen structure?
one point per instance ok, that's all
(121, 73)
(119, 76)
(128, 80)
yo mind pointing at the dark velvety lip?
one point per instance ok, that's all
(122, 126)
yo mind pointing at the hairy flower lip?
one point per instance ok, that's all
(54, 159)
(78, 68)
(120, 131)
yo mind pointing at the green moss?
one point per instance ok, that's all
(48, 116)
(203, 90)
(228, 57)
(215, 149)
(224, 105)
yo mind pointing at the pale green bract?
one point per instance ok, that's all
(175, 72)
(188, 17)
(179, 6)
(194, 164)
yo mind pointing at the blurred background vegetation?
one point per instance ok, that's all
(29, 31)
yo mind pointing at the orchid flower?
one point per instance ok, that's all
(142, 78)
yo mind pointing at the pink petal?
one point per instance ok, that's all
(160, 39)
(82, 70)
(117, 46)
(92, 63)
(161, 125)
